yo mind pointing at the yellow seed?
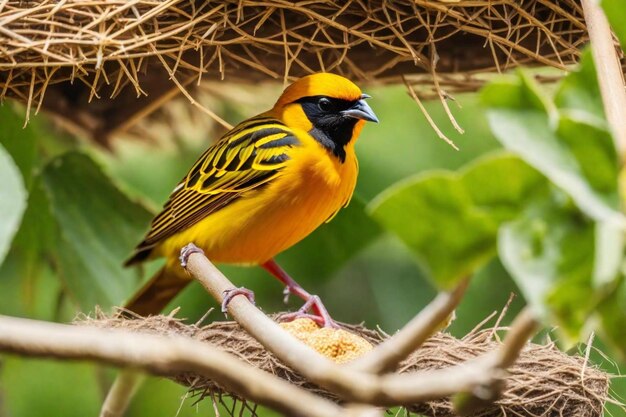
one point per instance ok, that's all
(337, 344)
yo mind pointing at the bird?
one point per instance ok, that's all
(261, 188)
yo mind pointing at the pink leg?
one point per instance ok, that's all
(310, 301)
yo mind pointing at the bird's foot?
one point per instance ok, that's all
(287, 317)
(233, 292)
(311, 302)
(186, 252)
(321, 316)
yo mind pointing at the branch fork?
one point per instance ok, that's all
(366, 384)
(367, 380)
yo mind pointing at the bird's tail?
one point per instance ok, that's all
(157, 292)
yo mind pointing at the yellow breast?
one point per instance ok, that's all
(266, 221)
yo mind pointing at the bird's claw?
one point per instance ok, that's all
(301, 315)
(233, 292)
(186, 252)
(322, 318)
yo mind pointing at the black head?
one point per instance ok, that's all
(333, 120)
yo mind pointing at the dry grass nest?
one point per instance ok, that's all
(127, 57)
(543, 382)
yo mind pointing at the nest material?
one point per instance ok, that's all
(126, 57)
(543, 382)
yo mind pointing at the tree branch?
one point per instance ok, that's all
(610, 76)
(121, 393)
(177, 354)
(275, 339)
(163, 356)
(475, 376)
(521, 331)
(391, 352)
(350, 384)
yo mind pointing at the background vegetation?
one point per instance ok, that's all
(530, 205)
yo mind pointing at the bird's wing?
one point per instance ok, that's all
(246, 158)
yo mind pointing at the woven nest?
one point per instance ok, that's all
(126, 57)
(544, 381)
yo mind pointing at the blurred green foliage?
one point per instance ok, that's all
(95, 230)
(12, 201)
(540, 220)
(463, 210)
(552, 249)
(616, 13)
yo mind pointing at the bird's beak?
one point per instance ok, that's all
(361, 110)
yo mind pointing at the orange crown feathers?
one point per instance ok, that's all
(320, 84)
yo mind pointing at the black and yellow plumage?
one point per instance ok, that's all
(262, 187)
(250, 156)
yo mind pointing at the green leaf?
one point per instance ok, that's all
(613, 316)
(563, 262)
(38, 233)
(12, 201)
(434, 216)
(516, 93)
(450, 220)
(498, 184)
(616, 14)
(564, 146)
(35, 388)
(579, 90)
(98, 227)
(27, 279)
(591, 145)
(547, 252)
(19, 141)
(609, 252)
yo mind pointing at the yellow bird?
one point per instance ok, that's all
(263, 187)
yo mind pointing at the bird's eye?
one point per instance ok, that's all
(325, 104)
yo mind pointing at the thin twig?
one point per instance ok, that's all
(434, 58)
(610, 76)
(391, 352)
(429, 119)
(193, 101)
(521, 331)
(587, 355)
(121, 392)
(496, 326)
